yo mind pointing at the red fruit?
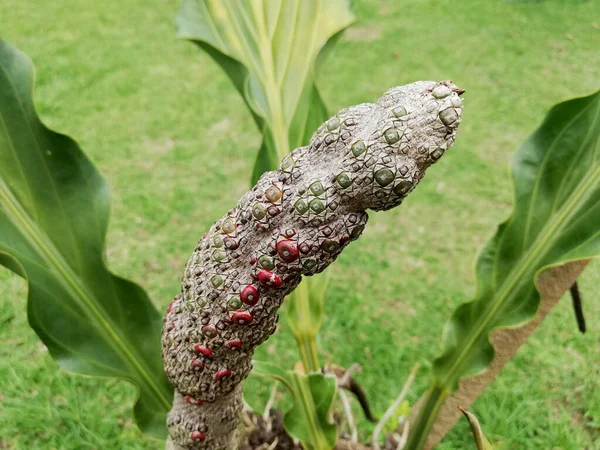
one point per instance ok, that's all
(197, 363)
(222, 373)
(269, 279)
(287, 251)
(250, 295)
(204, 350)
(197, 436)
(194, 401)
(234, 344)
(241, 317)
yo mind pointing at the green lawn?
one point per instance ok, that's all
(176, 145)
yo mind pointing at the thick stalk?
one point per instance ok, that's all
(292, 224)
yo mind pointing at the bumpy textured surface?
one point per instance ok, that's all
(294, 222)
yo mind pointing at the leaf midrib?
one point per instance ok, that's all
(533, 256)
(72, 283)
(265, 69)
(273, 92)
(68, 277)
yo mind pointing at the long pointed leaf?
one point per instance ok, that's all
(556, 219)
(53, 219)
(481, 441)
(270, 49)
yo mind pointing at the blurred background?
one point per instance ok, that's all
(176, 144)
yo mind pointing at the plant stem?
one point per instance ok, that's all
(305, 338)
(434, 399)
(318, 439)
(308, 353)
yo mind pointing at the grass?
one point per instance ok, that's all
(176, 144)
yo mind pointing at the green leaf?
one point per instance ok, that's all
(271, 50)
(556, 219)
(266, 159)
(53, 219)
(299, 134)
(480, 440)
(309, 420)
